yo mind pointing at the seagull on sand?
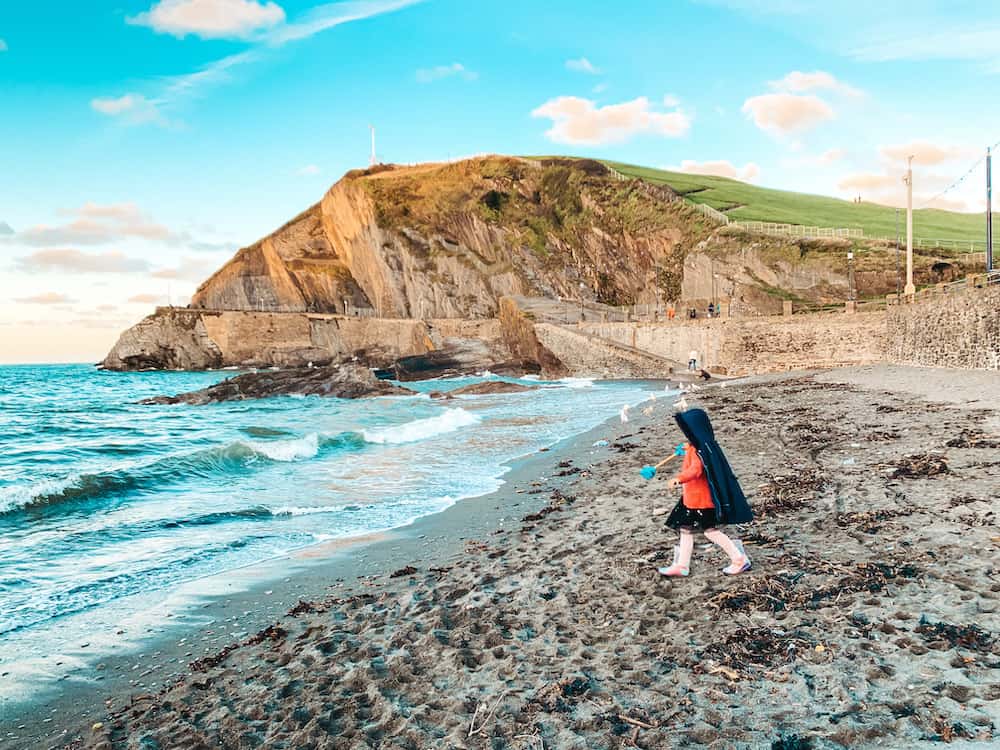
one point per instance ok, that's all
(624, 414)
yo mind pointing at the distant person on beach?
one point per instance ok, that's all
(671, 312)
(711, 497)
(693, 359)
(711, 310)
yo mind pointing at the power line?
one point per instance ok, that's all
(959, 181)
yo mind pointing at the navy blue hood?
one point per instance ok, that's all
(730, 503)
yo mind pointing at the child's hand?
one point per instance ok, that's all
(673, 483)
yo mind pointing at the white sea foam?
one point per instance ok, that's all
(296, 449)
(295, 510)
(530, 377)
(577, 382)
(421, 429)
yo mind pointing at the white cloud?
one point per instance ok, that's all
(5, 229)
(582, 65)
(925, 153)
(134, 109)
(46, 298)
(599, 88)
(798, 82)
(429, 75)
(139, 108)
(326, 16)
(721, 168)
(883, 182)
(189, 269)
(671, 101)
(825, 159)
(581, 121)
(146, 299)
(97, 224)
(787, 113)
(308, 170)
(75, 261)
(210, 19)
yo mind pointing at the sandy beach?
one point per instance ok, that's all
(870, 617)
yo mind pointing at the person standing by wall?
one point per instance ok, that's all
(693, 359)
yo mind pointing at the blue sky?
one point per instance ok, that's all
(142, 141)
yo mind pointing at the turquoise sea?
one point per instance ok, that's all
(105, 503)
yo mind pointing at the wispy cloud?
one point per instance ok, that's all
(3, 46)
(74, 261)
(581, 121)
(798, 82)
(46, 298)
(309, 170)
(324, 17)
(5, 229)
(890, 30)
(98, 224)
(134, 109)
(926, 153)
(189, 269)
(883, 182)
(146, 299)
(429, 75)
(257, 22)
(210, 19)
(720, 168)
(582, 65)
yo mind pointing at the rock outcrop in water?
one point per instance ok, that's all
(340, 381)
(486, 388)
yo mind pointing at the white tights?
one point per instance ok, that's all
(686, 546)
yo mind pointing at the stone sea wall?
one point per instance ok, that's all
(960, 329)
(742, 346)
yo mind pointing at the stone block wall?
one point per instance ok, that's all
(742, 346)
(960, 329)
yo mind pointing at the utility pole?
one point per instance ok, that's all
(910, 288)
(899, 271)
(850, 274)
(372, 160)
(989, 211)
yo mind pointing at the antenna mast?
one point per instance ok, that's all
(372, 161)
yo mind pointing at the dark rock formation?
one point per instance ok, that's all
(339, 381)
(486, 388)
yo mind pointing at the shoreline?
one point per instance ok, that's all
(344, 564)
(871, 617)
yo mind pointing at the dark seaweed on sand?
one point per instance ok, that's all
(920, 466)
(971, 637)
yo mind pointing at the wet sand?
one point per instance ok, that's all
(870, 618)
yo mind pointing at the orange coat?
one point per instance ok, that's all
(692, 478)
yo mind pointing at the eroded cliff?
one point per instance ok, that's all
(441, 241)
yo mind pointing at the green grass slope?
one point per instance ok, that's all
(741, 201)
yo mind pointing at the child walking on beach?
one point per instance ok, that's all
(711, 496)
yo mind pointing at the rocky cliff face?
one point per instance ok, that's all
(441, 241)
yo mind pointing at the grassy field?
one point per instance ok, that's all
(744, 202)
